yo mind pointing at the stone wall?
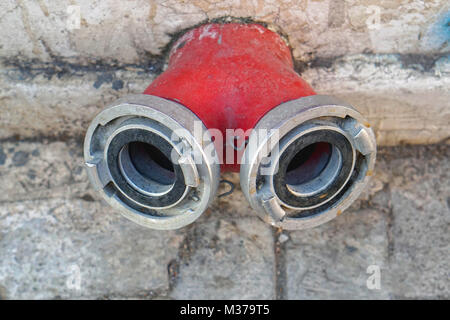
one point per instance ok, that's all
(62, 61)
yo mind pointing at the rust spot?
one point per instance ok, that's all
(339, 212)
(367, 124)
(369, 173)
(323, 195)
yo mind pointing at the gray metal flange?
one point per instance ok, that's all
(169, 192)
(336, 175)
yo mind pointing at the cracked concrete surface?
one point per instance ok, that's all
(59, 240)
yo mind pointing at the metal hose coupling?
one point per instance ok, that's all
(142, 156)
(307, 161)
(230, 100)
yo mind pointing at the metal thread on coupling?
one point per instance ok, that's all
(312, 162)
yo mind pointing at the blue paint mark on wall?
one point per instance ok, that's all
(438, 35)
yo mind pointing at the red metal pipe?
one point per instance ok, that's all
(230, 76)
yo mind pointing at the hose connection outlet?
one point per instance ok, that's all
(142, 156)
(229, 100)
(307, 160)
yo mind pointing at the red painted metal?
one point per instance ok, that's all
(230, 75)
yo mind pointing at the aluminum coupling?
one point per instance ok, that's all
(306, 161)
(142, 156)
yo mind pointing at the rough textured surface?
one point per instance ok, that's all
(231, 259)
(128, 31)
(414, 108)
(63, 61)
(416, 198)
(54, 231)
(404, 104)
(331, 261)
(401, 224)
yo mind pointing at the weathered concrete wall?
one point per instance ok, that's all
(129, 30)
(62, 61)
(413, 108)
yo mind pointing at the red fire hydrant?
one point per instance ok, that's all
(230, 100)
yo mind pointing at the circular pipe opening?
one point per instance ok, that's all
(308, 163)
(146, 168)
(313, 169)
(150, 162)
